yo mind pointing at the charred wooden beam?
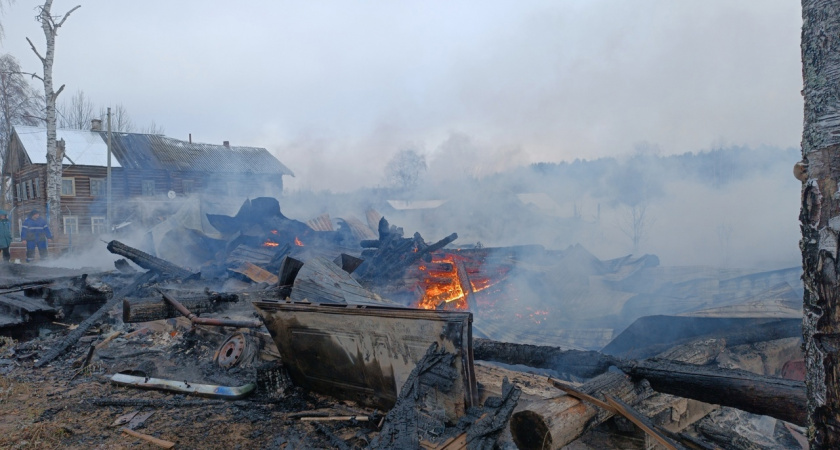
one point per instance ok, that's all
(74, 335)
(148, 261)
(147, 309)
(757, 394)
(582, 364)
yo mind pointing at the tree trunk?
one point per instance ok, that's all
(819, 172)
(54, 157)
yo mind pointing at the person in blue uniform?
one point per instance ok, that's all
(5, 235)
(35, 231)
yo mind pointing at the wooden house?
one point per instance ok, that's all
(148, 173)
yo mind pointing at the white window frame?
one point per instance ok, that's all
(104, 185)
(98, 228)
(144, 184)
(188, 186)
(72, 186)
(37, 185)
(74, 220)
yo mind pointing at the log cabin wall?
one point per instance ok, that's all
(83, 200)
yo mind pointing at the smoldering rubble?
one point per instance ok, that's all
(261, 331)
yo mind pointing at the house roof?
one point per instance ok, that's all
(150, 151)
(81, 147)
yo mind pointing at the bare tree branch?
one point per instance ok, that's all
(66, 16)
(35, 50)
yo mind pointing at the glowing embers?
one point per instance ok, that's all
(271, 240)
(442, 284)
(451, 280)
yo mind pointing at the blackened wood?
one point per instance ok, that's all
(74, 335)
(582, 364)
(289, 269)
(642, 422)
(348, 263)
(370, 243)
(156, 308)
(757, 394)
(148, 261)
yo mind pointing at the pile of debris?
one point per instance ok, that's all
(288, 336)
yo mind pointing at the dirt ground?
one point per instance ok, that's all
(59, 406)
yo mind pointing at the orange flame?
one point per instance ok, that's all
(270, 244)
(298, 242)
(442, 288)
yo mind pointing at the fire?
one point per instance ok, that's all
(298, 242)
(268, 243)
(451, 280)
(443, 287)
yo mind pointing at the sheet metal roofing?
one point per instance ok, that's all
(151, 151)
(82, 147)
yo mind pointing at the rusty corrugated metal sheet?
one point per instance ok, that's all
(359, 229)
(321, 223)
(151, 151)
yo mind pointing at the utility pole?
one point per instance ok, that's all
(108, 181)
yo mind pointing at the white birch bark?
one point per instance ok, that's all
(50, 27)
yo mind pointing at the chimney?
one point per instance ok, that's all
(226, 144)
(95, 125)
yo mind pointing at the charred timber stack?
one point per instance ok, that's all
(156, 308)
(388, 257)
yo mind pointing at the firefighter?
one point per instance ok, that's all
(5, 235)
(35, 231)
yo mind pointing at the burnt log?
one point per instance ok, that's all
(147, 309)
(74, 335)
(559, 421)
(581, 364)
(757, 394)
(148, 261)
(553, 423)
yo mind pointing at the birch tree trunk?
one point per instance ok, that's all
(819, 217)
(50, 27)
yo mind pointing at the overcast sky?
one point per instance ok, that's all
(335, 88)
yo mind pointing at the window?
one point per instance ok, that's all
(30, 189)
(189, 186)
(149, 188)
(17, 188)
(98, 187)
(38, 187)
(97, 224)
(23, 191)
(71, 225)
(68, 187)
